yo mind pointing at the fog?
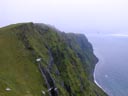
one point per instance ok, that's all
(80, 16)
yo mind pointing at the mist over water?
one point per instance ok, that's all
(111, 72)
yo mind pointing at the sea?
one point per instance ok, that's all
(111, 72)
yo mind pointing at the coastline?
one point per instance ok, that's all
(94, 74)
(97, 82)
(96, 51)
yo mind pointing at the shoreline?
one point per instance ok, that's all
(98, 83)
(100, 59)
(98, 56)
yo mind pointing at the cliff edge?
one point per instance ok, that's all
(39, 60)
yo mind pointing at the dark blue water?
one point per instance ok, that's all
(111, 72)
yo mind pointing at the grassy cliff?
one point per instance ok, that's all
(65, 67)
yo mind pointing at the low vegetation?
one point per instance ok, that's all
(67, 60)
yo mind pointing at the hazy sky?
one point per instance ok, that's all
(90, 16)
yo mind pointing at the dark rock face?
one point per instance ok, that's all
(67, 60)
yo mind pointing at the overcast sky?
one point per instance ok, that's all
(83, 16)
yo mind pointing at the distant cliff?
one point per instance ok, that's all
(39, 60)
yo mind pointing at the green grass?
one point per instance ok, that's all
(19, 71)
(17, 68)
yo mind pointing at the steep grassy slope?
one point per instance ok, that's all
(66, 66)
